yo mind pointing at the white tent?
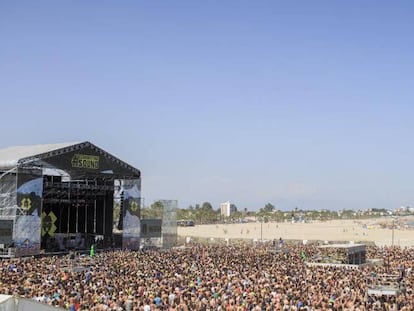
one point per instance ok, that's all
(12, 303)
(7, 302)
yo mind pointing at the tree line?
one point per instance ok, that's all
(205, 213)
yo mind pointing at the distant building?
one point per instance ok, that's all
(404, 210)
(227, 208)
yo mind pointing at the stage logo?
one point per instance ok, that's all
(48, 223)
(26, 203)
(133, 206)
(85, 161)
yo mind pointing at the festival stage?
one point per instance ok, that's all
(61, 197)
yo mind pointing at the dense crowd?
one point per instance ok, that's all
(242, 277)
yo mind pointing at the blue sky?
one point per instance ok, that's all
(303, 104)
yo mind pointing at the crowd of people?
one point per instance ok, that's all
(216, 277)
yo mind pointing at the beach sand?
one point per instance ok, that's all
(335, 230)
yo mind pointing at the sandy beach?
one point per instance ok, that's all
(365, 230)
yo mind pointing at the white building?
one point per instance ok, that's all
(227, 208)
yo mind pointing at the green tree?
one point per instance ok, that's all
(203, 213)
(154, 211)
(268, 208)
(278, 216)
(184, 214)
(206, 213)
(206, 206)
(237, 215)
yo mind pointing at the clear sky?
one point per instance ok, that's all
(304, 104)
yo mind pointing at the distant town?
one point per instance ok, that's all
(228, 212)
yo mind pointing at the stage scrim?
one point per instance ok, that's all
(28, 222)
(130, 192)
(169, 223)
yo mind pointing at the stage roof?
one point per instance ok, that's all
(75, 158)
(10, 157)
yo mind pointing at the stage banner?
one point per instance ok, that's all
(29, 202)
(169, 223)
(130, 202)
(8, 190)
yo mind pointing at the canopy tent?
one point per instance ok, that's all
(15, 303)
